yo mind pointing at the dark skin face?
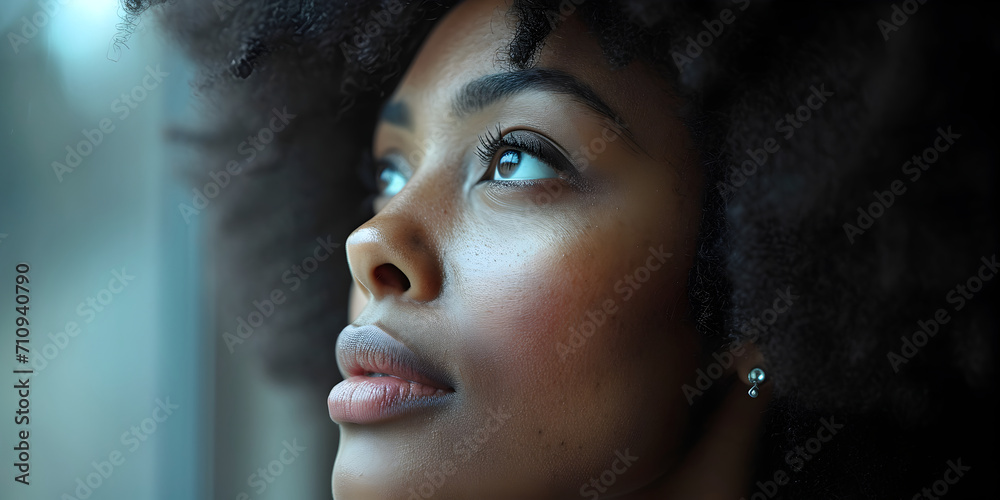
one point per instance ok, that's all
(489, 267)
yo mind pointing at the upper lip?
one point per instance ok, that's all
(369, 349)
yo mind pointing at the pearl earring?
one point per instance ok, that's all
(756, 376)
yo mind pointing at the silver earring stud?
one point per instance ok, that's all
(756, 376)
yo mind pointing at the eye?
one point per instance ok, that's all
(518, 165)
(522, 156)
(391, 176)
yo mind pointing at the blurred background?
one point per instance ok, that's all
(133, 395)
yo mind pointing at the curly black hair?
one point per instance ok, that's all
(850, 206)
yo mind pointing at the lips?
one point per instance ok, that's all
(383, 378)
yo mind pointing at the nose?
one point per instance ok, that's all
(392, 255)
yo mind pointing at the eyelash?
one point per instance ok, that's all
(492, 141)
(489, 144)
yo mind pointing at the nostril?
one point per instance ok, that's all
(391, 276)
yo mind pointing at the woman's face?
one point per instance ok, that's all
(539, 279)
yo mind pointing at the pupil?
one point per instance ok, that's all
(385, 178)
(508, 162)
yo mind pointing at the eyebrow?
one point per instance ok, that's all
(486, 90)
(489, 89)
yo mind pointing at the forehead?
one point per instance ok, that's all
(473, 39)
(463, 45)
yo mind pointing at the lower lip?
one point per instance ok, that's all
(367, 400)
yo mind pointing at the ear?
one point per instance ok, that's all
(720, 466)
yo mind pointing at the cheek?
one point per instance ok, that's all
(568, 289)
(572, 334)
